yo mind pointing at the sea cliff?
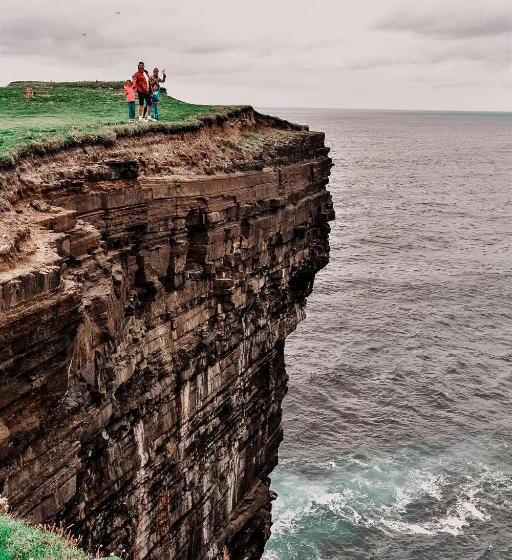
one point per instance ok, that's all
(147, 286)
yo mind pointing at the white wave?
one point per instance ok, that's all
(286, 523)
(270, 555)
(328, 465)
(452, 523)
(357, 462)
(339, 504)
(334, 501)
(407, 528)
(383, 500)
(414, 487)
(468, 506)
(432, 486)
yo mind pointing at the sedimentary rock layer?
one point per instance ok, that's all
(146, 291)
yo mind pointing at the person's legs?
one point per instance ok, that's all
(144, 105)
(141, 105)
(149, 106)
(131, 110)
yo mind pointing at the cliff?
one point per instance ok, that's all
(147, 287)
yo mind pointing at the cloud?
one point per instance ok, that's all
(204, 47)
(453, 20)
(40, 35)
(205, 51)
(333, 53)
(494, 53)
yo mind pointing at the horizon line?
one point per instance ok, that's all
(297, 107)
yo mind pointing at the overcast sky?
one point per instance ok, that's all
(391, 54)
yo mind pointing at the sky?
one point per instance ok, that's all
(379, 54)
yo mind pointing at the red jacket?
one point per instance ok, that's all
(139, 81)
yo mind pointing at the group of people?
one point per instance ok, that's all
(147, 89)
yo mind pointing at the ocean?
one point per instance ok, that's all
(398, 420)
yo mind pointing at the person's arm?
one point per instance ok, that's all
(164, 76)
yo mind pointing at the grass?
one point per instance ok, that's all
(19, 541)
(69, 114)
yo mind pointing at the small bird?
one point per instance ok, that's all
(84, 34)
(117, 13)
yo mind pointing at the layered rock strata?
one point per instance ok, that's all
(146, 291)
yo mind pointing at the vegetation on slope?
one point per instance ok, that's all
(19, 541)
(69, 114)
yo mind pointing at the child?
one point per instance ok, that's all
(129, 93)
(155, 100)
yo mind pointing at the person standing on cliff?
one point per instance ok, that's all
(155, 100)
(129, 93)
(155, 78)
(141, 81)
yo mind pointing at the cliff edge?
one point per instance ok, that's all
(147, 286)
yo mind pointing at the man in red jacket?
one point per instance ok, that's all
(141, 83)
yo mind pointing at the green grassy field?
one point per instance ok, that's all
(19, 541)
(67, 114)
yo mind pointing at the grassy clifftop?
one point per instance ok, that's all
(68, 114)
(19, 541)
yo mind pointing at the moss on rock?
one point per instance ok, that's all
(20, 541)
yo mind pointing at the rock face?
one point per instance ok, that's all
(146, 291)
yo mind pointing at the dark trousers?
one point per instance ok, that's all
(131, 109)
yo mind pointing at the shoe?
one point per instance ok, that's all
(150, 118)
(140, 118)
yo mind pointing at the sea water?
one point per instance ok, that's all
(398, 420)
